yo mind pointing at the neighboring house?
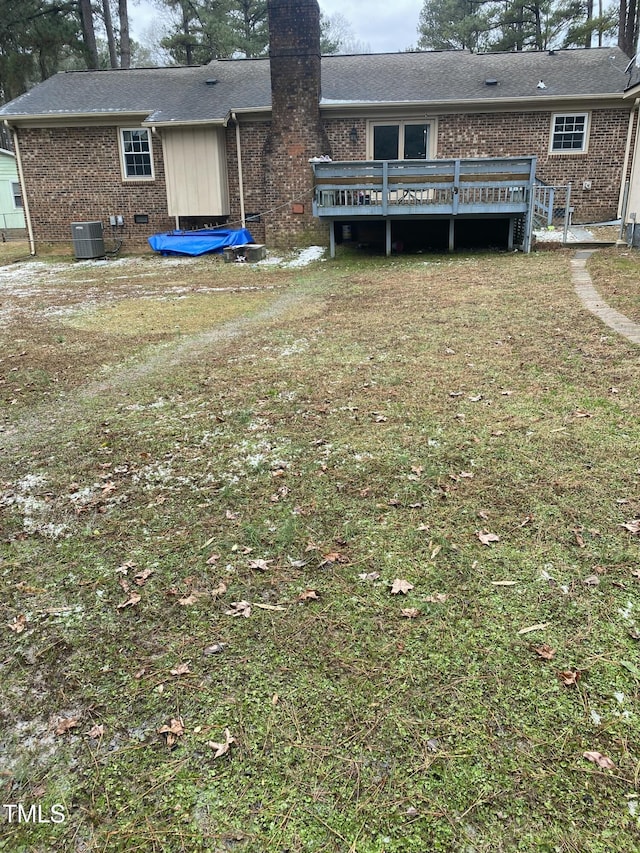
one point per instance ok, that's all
(230, 142)
(631, 211)
(11, 208)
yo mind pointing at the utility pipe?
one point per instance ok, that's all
(627, 151)
(239, 158)
(25, 199)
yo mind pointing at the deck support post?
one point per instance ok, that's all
(387, 236)
(332, 238)
(452, 234)
(510, 237)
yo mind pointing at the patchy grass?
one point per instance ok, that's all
(363, 426)
(616, 276)
(12, 251)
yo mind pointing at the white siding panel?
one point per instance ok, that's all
(196, 171)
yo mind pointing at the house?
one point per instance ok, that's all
(231, 142)
(631, 206)
(11, 213)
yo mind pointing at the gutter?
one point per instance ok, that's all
(25, 199)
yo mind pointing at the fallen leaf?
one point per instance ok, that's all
(503, 583)
(410, 612)
(632, 526)
(212, 559)
(191, 598)
(487, 538)
(181, 669)
(138, 675)
(569, 677)
(124, 568)
(333, 557)
(239, 608)
(141, 577)
(579, 538)
(580, 413)
(133, 599)
(260, 565)
(269, 607)
(437, 598)
(214, 649)
(592, 580)
(602, 761)
(531, 628)
(275, 700)
(219, 590)
(635, 573)
(369, 576)
(308, 595)
(95, 732)
(64, 724)
(476, 398)
(545, 651)
(222, 748)
(400, 585)
(19, 624)
(173, 731)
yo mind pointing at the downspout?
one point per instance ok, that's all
(239, 158)
(25, 200)
(627, 152)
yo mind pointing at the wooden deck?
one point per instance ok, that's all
(445, 189)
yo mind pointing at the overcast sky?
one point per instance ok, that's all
(383, 25)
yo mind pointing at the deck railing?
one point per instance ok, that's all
(478, 186)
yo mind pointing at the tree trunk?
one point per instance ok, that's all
(88, 33)
(587, 38)
(108, 25)
(125, 42)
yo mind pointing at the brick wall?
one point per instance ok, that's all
(73, 174)
(517, 134)
(252, 139)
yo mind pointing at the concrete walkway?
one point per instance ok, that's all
(592, 300)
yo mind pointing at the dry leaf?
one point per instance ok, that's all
(141, 577)
(602, 761)
(191, 598)
(437, 598)
(138, 675)
(334, 557)
(222, 748)
(181, 669)
(410, 612)
(632, 526)
(212, 559)
(19, 624)
(219, 590)
(133, 599)
(214, 649)
(369, 576)
(580, 413)
(173, 731)
(545, 651)
(269, 606)
(95, 732)
(239, 608)
(531, 628)
(308, 595)
(261, 565)
(569, 677)
(487, 538)
(65, 724)
(503, 583)
(400, 585)
(275, 700)
(592, 580)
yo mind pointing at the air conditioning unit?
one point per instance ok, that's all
(88, 240)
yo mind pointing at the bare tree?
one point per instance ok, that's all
(88, 33)
(108, 25)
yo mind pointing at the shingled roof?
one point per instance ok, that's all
(209, 93)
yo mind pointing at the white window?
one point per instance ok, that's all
(17, 194)
(569, 132)
(137, 155)
(400, 140)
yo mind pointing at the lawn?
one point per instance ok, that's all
(337, 557)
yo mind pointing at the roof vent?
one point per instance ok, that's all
(211, 82)
(491, 81)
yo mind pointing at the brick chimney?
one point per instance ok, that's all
(297, 133)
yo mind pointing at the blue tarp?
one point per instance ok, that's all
(199, 242)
